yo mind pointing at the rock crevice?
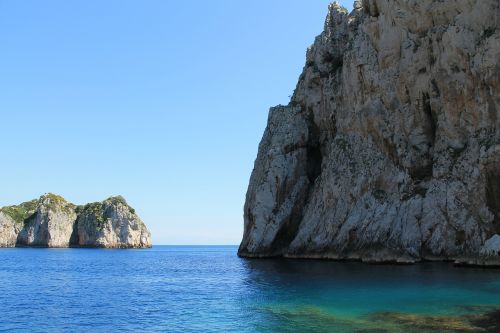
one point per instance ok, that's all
(389, 149)
(51, 221)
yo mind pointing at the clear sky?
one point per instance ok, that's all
(163, 102)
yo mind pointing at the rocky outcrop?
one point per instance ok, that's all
(51, 221)
(389, 149)
(9, 230)
(48, 224)
(111, 223)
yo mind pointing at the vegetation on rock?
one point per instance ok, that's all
(54, 222)
(22, 212)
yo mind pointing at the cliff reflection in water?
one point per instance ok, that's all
(210, 289)
(318, 296)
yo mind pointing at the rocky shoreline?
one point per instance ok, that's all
(51, 221)
(389, 150)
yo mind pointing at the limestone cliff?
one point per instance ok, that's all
(111, 223)
(51, 221)
(9, 230)
(48, 224)
(389, 149)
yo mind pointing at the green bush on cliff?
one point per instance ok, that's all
(21, 212)
(56, 201)
(96, 212)
(120, 200)
(93, 212)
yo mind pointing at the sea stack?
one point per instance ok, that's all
(389, 150)
(51, 221)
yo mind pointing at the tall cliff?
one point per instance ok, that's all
(389, 149)
(51, 221)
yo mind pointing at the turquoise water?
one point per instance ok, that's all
(210, 289)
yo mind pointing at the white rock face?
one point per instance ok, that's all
(51, 225)
(111, 223)
(8, 231)
(491, 247)
(51, 221)
(390, 147)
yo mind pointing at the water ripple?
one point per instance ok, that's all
(210, 289)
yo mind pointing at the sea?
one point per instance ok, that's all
(211, 289)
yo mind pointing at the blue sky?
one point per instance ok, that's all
(163, 102)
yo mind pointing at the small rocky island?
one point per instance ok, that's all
(389, 150)
(51, 221)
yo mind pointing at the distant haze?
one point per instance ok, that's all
(162, 102)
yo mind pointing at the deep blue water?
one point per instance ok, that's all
(210, 289)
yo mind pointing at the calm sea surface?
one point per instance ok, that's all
(210, 289)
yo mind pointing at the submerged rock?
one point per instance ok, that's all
(303, 317)
(389, 150)
(51, 221)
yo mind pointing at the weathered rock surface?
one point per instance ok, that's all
(51, 221)
(111, 223)
(48, 224)
(389, 149)
(9, 230)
